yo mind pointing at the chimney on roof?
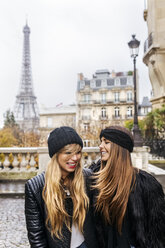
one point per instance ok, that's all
(80, 76)
(113, 74)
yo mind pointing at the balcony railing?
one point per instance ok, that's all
(128, 116)
(112, 101)
(148, 42)
(116, 117)
(103, 117)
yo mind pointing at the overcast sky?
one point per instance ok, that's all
(68, 37)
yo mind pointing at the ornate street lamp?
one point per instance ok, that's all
(134, 49)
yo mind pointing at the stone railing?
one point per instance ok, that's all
(19, 158)
(33, 160)
(30, 161)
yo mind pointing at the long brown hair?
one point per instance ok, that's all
(114, 182)
(54, 197)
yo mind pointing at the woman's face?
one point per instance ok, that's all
(68, 160)
(105, 149)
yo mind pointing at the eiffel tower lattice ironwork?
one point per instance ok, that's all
(26, 109)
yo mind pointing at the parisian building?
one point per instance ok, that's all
(105, 99)
(154, 47)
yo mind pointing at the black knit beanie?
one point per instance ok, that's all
(61, 137)
(119, 135)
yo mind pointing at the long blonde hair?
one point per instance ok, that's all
(114, 182)
(54, 197)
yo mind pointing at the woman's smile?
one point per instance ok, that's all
(68, 161)
(72, 165)
(105, 149)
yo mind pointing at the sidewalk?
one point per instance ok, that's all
(12, 223)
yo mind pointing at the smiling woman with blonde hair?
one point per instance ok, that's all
(57, 209)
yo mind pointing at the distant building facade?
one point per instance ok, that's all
(144, 108)
(51, 118)
(105, 99)
(154, 47)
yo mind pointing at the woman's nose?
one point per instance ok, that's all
(101, 145)
(74, 157)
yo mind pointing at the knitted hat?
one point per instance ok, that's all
(61, 137)
(120, 136)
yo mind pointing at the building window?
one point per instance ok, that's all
(104, 83)
(86, 127)
(87, 98)
(117, 81)
(87, 82)
(129, 96)
(117, 96)
(103, 112)
(103, 98)
(49, 122)
(146, 110)
(129, 111)
(82, 84)
(130, 80)
(123, 81)
(110, 82)
(98, 83)
(117, 112)
(86, 143)
(93, 83)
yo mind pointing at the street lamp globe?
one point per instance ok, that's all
(134, 46)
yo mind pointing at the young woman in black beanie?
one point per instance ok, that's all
(130, 204)
(57, 209)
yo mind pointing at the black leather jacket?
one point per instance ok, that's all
(38, 234)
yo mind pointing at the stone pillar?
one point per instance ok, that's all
(43, 158)
(140, 157)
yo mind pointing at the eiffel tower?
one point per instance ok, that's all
(26, 109)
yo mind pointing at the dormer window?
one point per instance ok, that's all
(98, 83)
(117, 81)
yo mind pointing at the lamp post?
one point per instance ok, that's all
(134, 49)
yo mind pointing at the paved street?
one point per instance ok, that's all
(12, 224)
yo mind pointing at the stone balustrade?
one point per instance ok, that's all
(33, 160)
(28, 161)
(18, 158)
(18, 163)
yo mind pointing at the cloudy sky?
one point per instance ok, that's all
(67, 37)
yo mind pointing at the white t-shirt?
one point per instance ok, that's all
(77, 237)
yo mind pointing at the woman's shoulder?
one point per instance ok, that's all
(36, 183)
(87, 172)
(147, 182)
(95, 166)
